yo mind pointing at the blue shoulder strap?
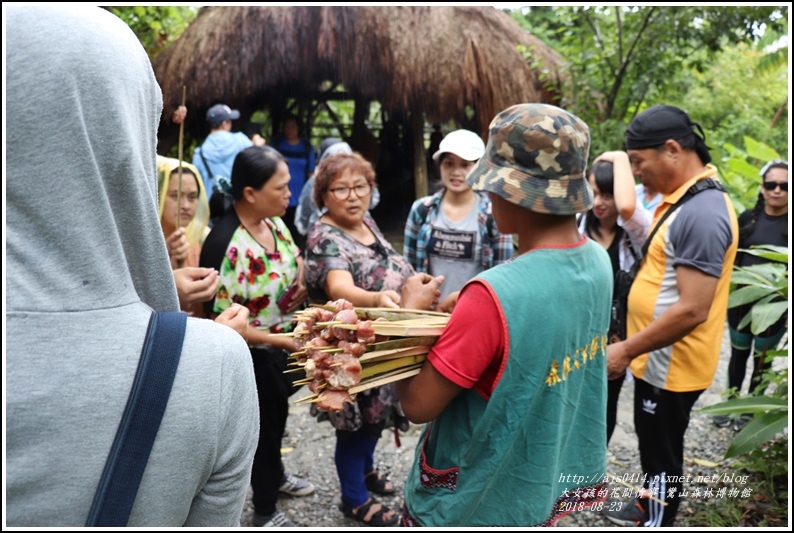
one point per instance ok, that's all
(151, 388)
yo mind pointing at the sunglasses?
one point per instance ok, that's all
(772, 185)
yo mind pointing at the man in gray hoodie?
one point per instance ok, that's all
(86, 266)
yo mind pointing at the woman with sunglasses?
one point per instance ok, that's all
(766, 223)
(348, 257)
(259, 263)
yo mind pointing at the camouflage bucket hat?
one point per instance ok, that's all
(536, 157)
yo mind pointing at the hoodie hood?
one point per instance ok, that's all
(83, 228)
(223, 146)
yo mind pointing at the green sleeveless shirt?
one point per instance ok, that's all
(537, 447)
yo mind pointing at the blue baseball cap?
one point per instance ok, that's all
(220, 112)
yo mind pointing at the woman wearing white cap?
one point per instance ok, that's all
(452, 232)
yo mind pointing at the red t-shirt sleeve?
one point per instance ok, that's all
(471, 350)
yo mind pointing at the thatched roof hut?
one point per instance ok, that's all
(422, 64)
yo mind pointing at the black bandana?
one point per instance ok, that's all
(657, 124)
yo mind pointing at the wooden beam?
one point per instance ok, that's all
(420, 156)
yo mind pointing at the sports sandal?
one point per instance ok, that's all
(377, 519)
(377, 484)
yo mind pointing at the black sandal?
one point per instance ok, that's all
(377, 484)
(376, 520)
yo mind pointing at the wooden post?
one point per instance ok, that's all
(420, 156)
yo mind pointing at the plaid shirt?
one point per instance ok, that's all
(496, 248)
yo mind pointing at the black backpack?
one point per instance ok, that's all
(219, 201)
(625, 278)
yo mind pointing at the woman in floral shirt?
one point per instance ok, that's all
(258, 262)
(348, 257)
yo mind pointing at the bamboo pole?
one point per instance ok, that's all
(178, 224)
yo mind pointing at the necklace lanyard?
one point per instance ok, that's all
(271, 255)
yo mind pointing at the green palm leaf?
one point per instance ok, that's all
(763, 315)
(748, 294)
(758, 431)
(748, 404)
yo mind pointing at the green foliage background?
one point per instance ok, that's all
(714, 62)
(156, 26)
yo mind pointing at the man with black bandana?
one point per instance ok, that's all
(677, 304)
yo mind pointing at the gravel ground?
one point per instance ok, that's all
(309, 448)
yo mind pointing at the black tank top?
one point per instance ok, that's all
(614, 249)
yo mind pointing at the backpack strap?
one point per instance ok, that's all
(423, 211)
(207, 165)
(490, 223)
(143, 413)
(630, 246)
(697, 187)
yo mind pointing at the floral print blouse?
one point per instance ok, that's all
(255, 277)
(376, 267)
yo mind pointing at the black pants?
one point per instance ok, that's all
(660, 419)
(273, 390)
(613, 395)
(744, 343)
(737, 368)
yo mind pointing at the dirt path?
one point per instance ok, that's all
(309, 449)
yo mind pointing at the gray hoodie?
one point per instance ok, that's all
(86, 263)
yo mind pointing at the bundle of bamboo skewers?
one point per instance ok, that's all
(344, 350)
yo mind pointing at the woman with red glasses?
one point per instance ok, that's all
(348, 257)
(766, 223)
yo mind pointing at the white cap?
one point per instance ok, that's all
(463, 143)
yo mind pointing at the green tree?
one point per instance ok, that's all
(622, 59)
(733, 99)
(156, 26)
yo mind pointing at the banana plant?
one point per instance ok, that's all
(766, 287)
(739, 169)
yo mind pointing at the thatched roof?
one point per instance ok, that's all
(437, 60)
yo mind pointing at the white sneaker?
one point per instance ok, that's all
(295, 486)
(277, 519)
